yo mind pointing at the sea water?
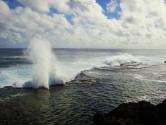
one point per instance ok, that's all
(16, 69)
(120, 76)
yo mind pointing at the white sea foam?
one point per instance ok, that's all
(15, 76)
(47, 69)
(117, 60)
(125, 58)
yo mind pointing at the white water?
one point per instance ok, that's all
(45, 66)
(121, 59)
(47, 69)
(117, 60)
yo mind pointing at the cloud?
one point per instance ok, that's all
(4, 9)
(82, 23)
(44, 6)
(38, 5)
(111, 6)
(145, 20)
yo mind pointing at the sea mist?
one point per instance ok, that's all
(44, 64)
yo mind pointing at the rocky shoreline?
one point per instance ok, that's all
(27, 110)
(141, 113)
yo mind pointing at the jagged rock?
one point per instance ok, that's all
(141, 113)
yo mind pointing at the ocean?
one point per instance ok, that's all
(97, 80)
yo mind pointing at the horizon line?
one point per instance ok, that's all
(93, 48)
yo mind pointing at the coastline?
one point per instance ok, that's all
(21, 107)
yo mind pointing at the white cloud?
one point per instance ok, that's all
(38, 5)
(60, 5)
(45, 5)
(4, 9)
(111, 6)
(142, 23)
(145, 21)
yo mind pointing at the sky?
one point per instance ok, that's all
(128, 24)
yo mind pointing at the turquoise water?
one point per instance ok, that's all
(16, 69)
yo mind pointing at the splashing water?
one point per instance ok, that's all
(121, 59)
(47, 70)
(44, 70)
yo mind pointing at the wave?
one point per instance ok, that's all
(119, 60)
(125, 58)
(22, 74)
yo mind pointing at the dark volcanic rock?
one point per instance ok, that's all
(141, 113)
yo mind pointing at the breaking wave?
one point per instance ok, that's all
(66, 71)
(119, 60)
